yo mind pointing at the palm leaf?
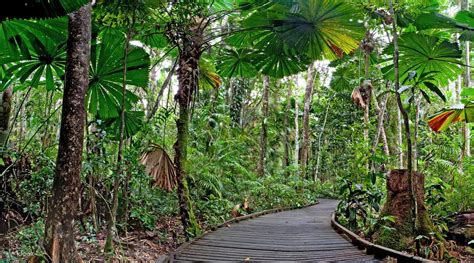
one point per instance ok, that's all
(104, 96)
(237, 62)
(159, 166)
(39, 9)
(460, 113)
(133, 124)
(423, 53)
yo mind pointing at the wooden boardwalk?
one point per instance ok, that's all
(295, 235)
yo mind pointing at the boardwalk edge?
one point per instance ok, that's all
(378, 251)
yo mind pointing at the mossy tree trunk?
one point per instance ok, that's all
(406, 120)
(188, 75)
(286, 155)
(399, 204)
(59, 230)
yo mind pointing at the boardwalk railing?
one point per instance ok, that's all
(378, 251)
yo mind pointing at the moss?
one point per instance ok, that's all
(194, 228)
(395, 236)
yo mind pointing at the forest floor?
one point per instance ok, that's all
(134, 246)
(139, 245)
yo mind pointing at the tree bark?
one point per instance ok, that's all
(406, 119)
(263, 131)
(188, 75)
(5, 112)
(318, 158)
(165, 84)
(307, 106)
(59, 229)
(415, 132)
(380, 110)
(399, 204)
(467, 84)
(297, 132)
(399, 138)
(239, 85)
(286, 156)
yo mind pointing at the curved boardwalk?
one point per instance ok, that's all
(296, 235)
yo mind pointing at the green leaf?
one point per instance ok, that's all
(38, 9)
(319, 29)
(133, 124)
(104, 96)
(425, 96)
(467, 92)
(435, 89)
(434, 20)
(237, 63)
(423, 53)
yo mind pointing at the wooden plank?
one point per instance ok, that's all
(297, 235)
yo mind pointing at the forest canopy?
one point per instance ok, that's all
(130, 127)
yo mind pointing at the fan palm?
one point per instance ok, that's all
(423, 53)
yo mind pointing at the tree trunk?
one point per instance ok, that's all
(307, 106)
(59, 230)
(415, 132)
(5, 112)
(401, 163)
(165, 84)
(367, 108)
(286, 156)
(263, 131)
(239, 85)
(188, 74)
(406, 119)
(297, 132)
(467, 84)
(112, 224)
(380, 124)
(318, 158)
(399, 204)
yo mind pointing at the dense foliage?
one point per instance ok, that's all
(200, 111)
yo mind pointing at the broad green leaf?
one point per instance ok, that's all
(133, 124)
(423, 53)
(435, 89)
(39, 9)
(104, 96)
(237, 63)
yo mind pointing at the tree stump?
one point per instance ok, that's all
(400, 234)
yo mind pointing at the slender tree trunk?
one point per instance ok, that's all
(415, 132)
(239, 85)
(367, 107)
(467, 84)
(297, 132)
(307, 106)
(406, 119)
(165, 84)
(263, 131)
(286, 157)
(112, 224)
(318, 158)
(59, 230)
(399, 138)
(380, 124)
(188, 74)
(5, 112)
